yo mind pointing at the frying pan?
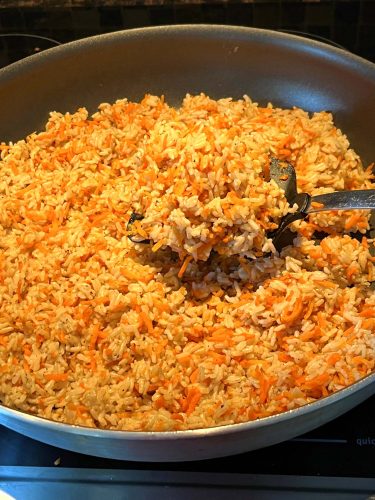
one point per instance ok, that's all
(220, 61)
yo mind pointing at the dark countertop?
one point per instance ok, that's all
(349, 23)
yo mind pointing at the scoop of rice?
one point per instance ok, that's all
(203, 177)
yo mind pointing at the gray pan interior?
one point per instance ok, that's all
(220, 61)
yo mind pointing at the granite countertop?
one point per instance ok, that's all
(348, 23)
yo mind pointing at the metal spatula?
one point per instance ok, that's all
(284, 175)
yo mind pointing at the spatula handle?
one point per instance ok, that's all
(342, 200)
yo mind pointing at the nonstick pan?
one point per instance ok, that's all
(220, 61)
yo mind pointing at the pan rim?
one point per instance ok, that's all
(333, 53)
(190, 434)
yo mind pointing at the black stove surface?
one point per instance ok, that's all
(16, 46)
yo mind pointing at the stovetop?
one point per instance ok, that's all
(334, 461)
(344, 447)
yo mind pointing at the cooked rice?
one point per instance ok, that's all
(98, 331)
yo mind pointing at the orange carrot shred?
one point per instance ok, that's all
(184, 266)
(158, 245)
(316, 204)
(57, 377)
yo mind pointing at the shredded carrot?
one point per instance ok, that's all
(315, 253)
(160, 402)
(97, 219)
(92, 360)
(325, 246)
(3, 340)
(220, 335)
(184, 266)
(286, 140)
(158, 245)
(333, 358)
(311, 334)
(194, 376)
(368, 324)
(185, 360)
(145, 319)
(139, 229)
(318, 381)
(351, 270)
(192, 399)
(180, 188)
(25, 190)
(294, 314)
(310, 309)
(283, 356)
(322, 322)
(285, 152)
(265, 385)
(364, 242)
(316, 204)
(177, 416)
(57, 377)
(326, 283)
(352, 221)
(133, 276)
(27, 350)
(360, 360)
(217, 359)
(266, 170)
(97, 300)
(368, 312)
(348, 331)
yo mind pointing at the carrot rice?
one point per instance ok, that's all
(189, 331)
